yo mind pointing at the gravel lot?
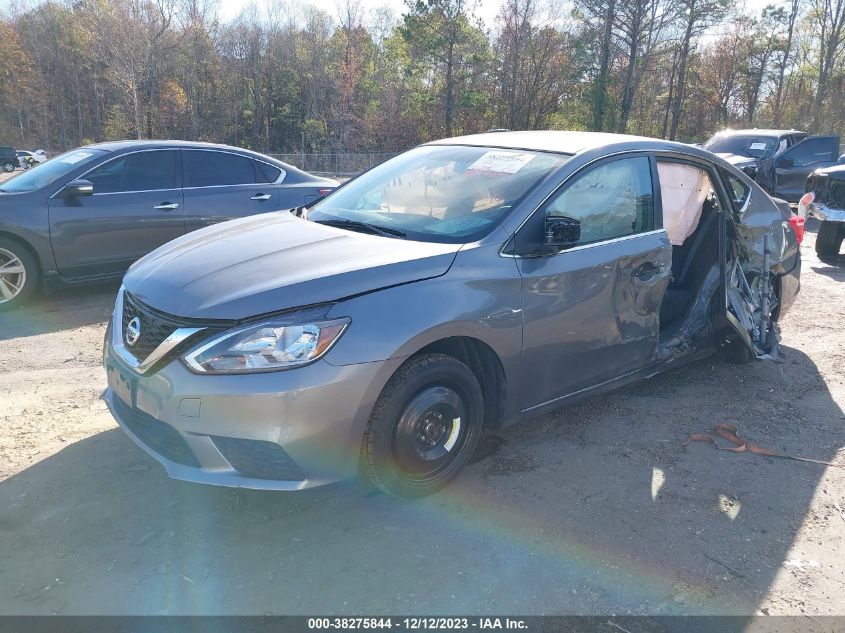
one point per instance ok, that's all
(596, 509)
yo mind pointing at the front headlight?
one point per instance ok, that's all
(266, 346)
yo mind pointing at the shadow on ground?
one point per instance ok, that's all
(594, 509)
(65, 309)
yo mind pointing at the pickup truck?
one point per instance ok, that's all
(825, 200)
(779, 160)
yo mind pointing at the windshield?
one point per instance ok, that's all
(438, 193)
(45, 173)
(742, 145)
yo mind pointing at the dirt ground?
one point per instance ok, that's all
(596, 509)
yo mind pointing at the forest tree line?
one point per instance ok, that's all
(290, 77)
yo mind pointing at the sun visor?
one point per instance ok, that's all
(683, 189)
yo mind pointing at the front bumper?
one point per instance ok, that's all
(825, 213)
(285, 430)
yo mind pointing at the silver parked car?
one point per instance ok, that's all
(459, 287)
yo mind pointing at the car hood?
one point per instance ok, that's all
(274, 262)
(736, 160)
(835, 171)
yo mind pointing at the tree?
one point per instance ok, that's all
(697, 16)
(640, 25)
(828, 20)
(761, 46)
(603, 12)
(785, 54)
(531, 63)
(440, 32)
(290, 77)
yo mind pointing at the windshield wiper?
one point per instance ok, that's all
(353, 225)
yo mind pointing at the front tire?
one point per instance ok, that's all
(829, 239)
(736, 352)
(18, 274)
(424, 427)
(8, 167)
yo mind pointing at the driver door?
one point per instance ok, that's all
(794, 165)
(135, 208)
(591, 311)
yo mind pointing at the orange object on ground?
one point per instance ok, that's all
(728, 432)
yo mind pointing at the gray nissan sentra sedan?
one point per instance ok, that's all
(457, 288)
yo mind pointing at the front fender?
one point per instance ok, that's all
(480, 298)
(31, 227)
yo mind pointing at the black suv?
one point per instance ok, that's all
(8, 158)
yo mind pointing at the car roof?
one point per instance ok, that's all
(563, 142)
(758, 132)
(119, 146)
(114, 146)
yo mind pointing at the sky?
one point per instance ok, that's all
(485, 9)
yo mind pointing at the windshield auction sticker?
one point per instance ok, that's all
(72, 159)
(500, 162)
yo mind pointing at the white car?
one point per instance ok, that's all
(26, 158)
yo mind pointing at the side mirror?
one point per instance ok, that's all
(76, 188)
(561, 232)
(786, 162)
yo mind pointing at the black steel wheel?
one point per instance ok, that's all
(424, 427)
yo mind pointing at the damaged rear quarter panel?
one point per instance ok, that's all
(762, 216)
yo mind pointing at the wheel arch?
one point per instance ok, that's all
(485, 363)
(25, 244)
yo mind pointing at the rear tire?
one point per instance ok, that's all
(8, 167)
(424, 427)
(829, 239)
(19, 274)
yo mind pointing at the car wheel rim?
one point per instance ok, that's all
(12, 275)
(430, 434)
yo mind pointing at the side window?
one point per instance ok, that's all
(213, 169)
(141, 171)
(809, 152)
(613, 200)
(738, 190)
(265, 172)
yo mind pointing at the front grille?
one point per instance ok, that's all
(154, 327)
(750, 171)
(159, 436)
(837, 194)
(258, 459)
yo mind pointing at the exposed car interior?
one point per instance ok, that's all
(690, 212)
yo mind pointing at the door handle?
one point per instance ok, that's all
(261, 197)
(166, 206)
(647, 271)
